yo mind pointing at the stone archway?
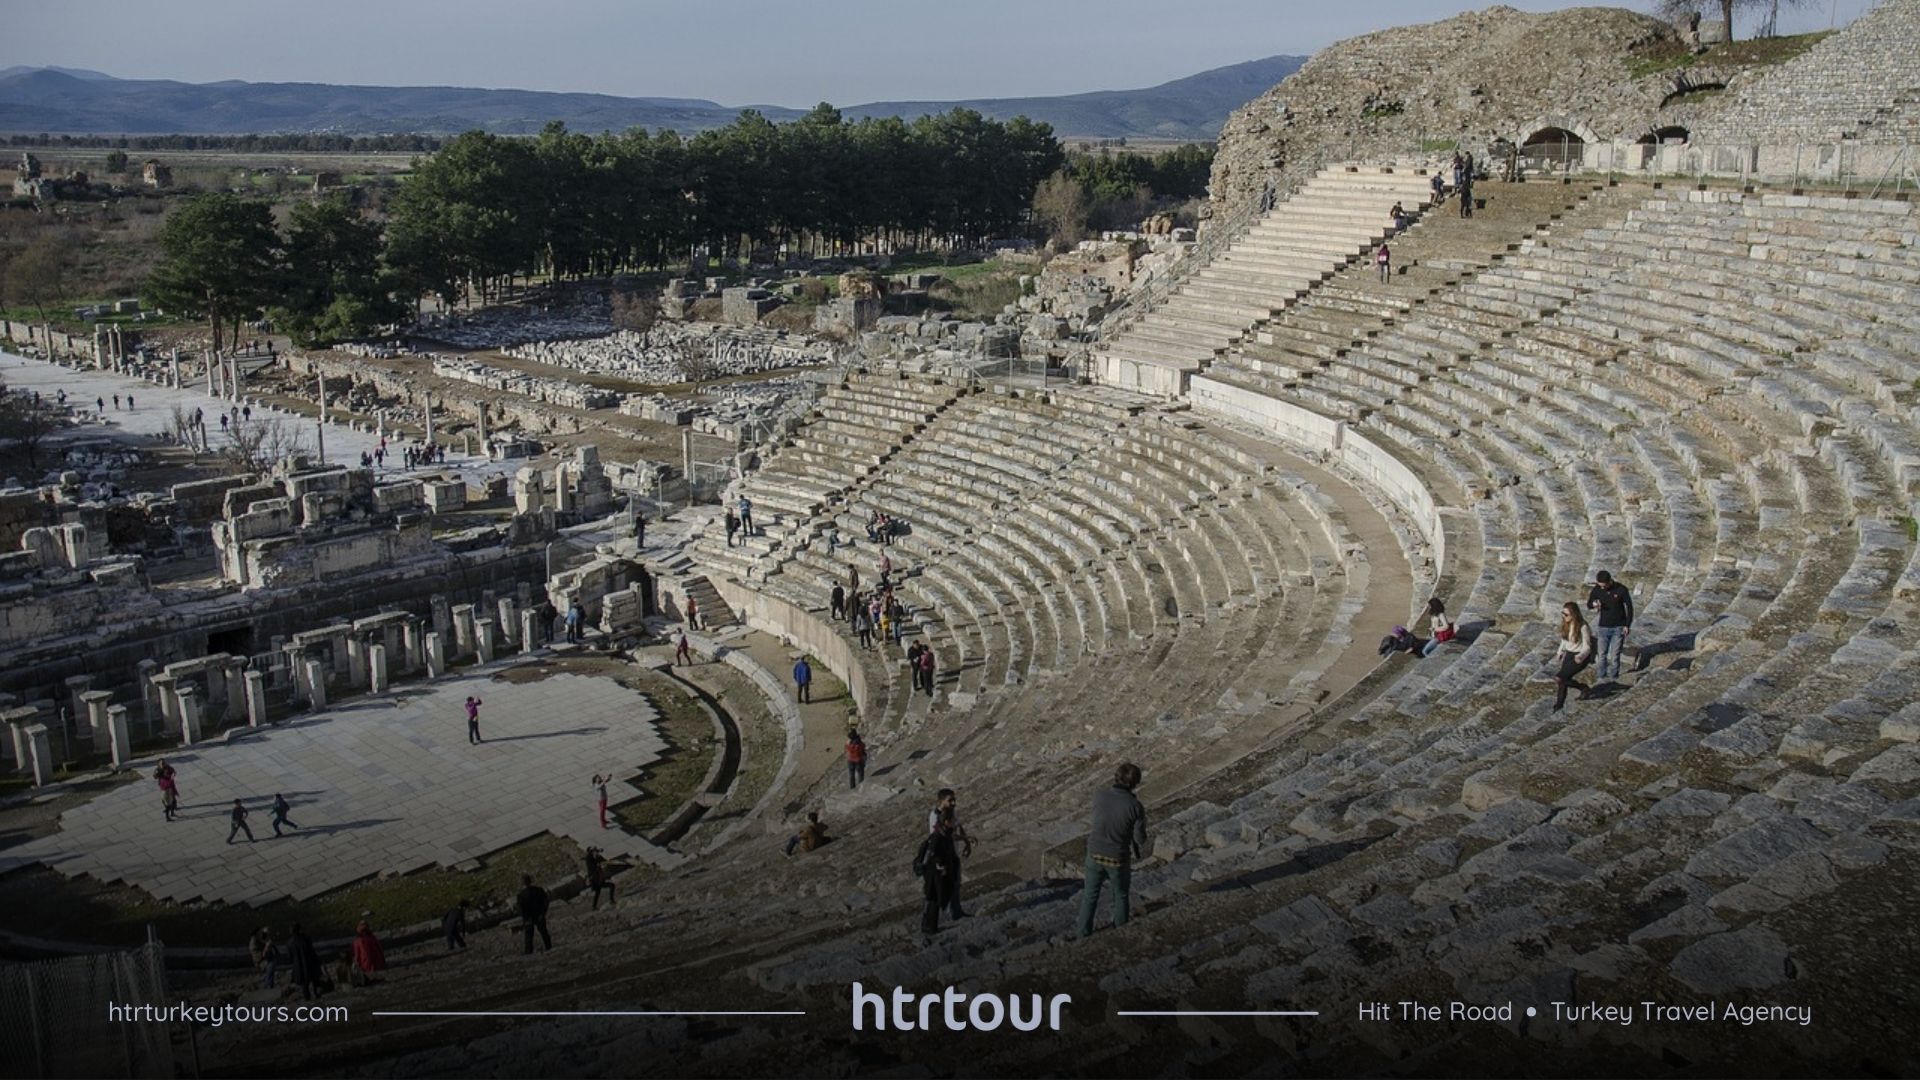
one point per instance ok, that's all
(1555, 145)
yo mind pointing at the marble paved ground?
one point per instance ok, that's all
(381, 784)
(344, 445)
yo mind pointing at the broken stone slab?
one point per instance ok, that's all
(1752, 958)
(1306, 925)
(1752, 849)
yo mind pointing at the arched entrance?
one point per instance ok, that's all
(1553, 147)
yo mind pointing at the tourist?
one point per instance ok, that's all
(598, 878)
(856, 759)
(946, 808)
(129, 402)
(163, 775)
(745, 507)
(281, 809)
(863, 628)
(886, 569)
(682, 652)
(576, 615)
(100, 405)
(733, 526)
(266, 956)
(246, 411)
(926, 669)
(1439, 188)
(532, 907)
(304, 961)
(366, 460)
(453, 926)
(600, 794)
(913, 667)
(473, 720)
(1401, 640)
(936, 864)
(873, 526)
(1575, 653)
(803, 680)
(116, 403)
(1383, 259)
(853, 581)
(1615, 605)
(837, 601)
(238, 818)
(886, 624)
(1440, 625)
(639, 528)
(368, 956)
(1399, 213)
(1466, 190)
(810, 837)
(1117, 836)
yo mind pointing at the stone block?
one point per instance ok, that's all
(377, 669)
(256, 696)
(39, 754)
(119, 738)
(436, 656)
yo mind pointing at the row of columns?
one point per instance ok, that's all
(174, 702)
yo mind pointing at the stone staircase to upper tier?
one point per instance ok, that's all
(1336, 218)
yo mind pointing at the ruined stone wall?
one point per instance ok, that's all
(106, 632)
(1498, 73)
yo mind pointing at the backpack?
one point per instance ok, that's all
(922, 857)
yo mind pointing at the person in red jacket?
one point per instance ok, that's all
(368, 957)
(856, 760)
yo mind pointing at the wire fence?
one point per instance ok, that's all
(56, 1020)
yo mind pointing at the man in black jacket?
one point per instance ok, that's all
(1615, 622)
(1117, 836)
(305, 960)
(938, 865)
(532, 905)
(454, 925)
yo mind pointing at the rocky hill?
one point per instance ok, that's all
(1472, 78)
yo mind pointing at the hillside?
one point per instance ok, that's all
(34, 100)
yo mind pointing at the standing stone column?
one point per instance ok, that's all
(356, 660)
(342, 659)
(316, 685)
(119, 739)
(436, 656)
(462, 629)
(442, 615)
(18, 721)
(377, 668)
(413, 651)
(97, 702)
(40, 752)
(77, 688)
(483, 640)
(237, 671)
(256, 695)
(189, 705)
(163, 688)
(149, 696)
(217, 704)
(173, 362)
(282, 668)
(509, 620)
(529, 631)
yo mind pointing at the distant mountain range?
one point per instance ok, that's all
(73, 101)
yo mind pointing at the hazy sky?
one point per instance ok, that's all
(736, 52)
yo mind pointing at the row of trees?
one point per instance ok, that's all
(488, 208)
(324, 279)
